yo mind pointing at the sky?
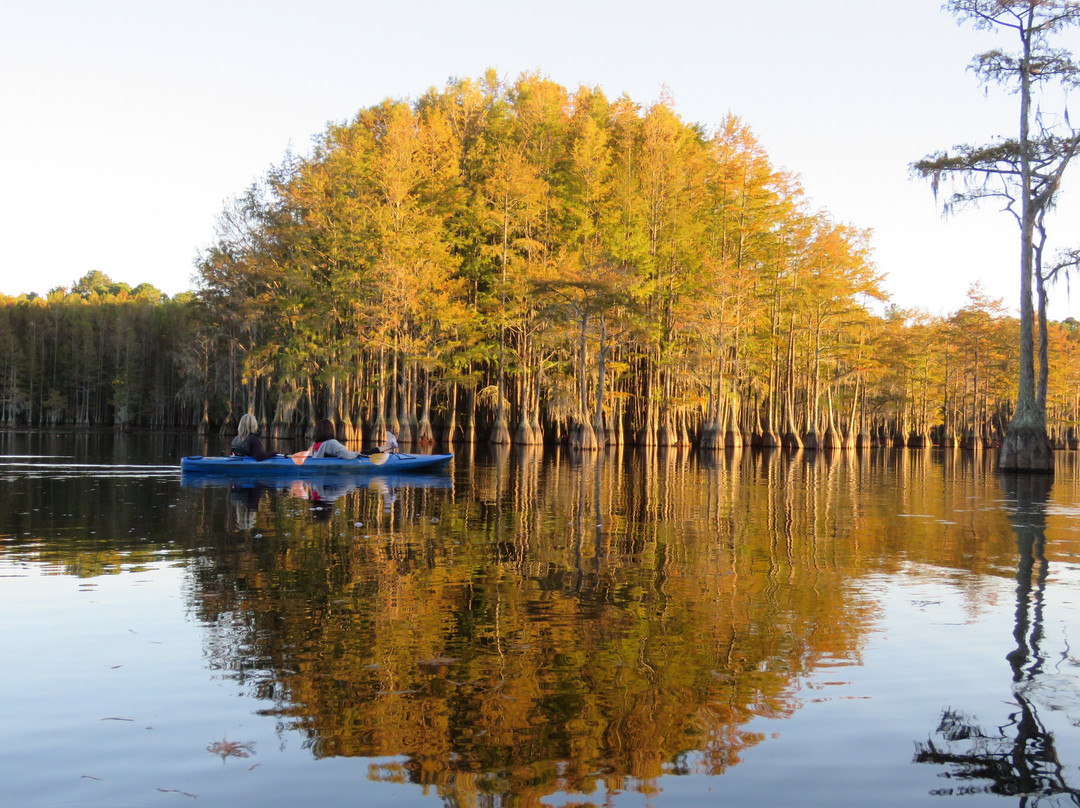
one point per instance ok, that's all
(127, 125)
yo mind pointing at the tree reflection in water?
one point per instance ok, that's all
(549, 623)
(574, 625)
(1018, 758)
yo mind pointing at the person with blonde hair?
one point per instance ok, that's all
(247, 442)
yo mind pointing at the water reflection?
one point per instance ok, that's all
(245, 504)
(320, 491)
(559, 626)
(1018, 758)
(546, 622)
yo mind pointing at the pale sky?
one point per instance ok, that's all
(127, 124)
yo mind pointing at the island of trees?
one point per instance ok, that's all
(519, 263)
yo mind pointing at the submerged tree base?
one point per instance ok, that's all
(1026, 449)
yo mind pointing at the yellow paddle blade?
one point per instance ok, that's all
(300, 457)
(378, 458)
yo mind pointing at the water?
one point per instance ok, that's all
(536, 628)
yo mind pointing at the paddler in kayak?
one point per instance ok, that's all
(324, 444)
(247, 442)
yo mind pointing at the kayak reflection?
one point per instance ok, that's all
(321, 491)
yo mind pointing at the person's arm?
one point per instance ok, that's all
(258, 451)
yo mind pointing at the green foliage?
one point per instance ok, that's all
(99, 355)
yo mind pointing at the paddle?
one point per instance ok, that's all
(376, 458)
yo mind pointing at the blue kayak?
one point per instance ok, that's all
(311, 466)
(439, 478)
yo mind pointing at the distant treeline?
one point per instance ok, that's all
(98, 354)
(517, 263)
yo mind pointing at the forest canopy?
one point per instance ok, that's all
(516, 262)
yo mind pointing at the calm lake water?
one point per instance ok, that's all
(888, 628)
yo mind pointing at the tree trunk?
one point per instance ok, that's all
(469, 435)
(601, 370)
(1026, 447)
(424, 434)
(404, 431)
(451, 416)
